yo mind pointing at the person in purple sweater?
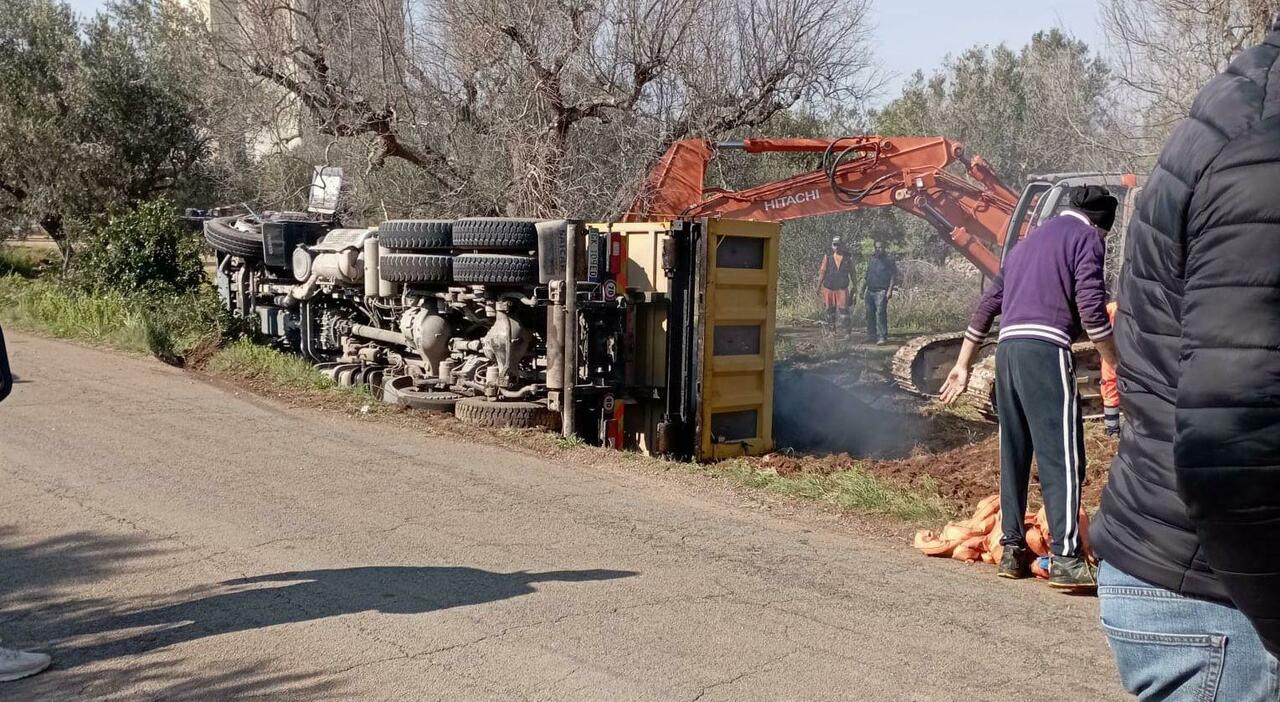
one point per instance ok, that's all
(1050, 292)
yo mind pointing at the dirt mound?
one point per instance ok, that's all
(965, 474)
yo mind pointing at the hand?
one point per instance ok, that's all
(957, 382)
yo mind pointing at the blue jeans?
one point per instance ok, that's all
(877, 314)
(1173, 648)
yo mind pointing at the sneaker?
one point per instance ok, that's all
(1072, 573)
(1015, 564)
(15, 665)
(881, 342)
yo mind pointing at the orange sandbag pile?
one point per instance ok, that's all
(978, 537)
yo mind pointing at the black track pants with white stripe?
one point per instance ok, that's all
(1039, 413)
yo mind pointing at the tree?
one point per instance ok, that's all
(539, 107)
(1042, 109)
(1166, 50)
(1037, 110)
(98, 116)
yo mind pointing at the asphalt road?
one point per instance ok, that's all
(168, 539)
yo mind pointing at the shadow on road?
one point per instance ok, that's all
(38, 604)
(303, 596)
(178, 681)
(80, 557)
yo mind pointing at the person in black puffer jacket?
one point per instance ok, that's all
(1189, 530)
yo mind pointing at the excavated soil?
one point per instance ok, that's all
(968, 473)
(961, 475)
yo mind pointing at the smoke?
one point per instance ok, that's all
(825, 412)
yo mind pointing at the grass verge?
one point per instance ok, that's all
(854, 490)
(257, 364)
(168, 327)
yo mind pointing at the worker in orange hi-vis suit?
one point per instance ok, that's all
(1110, 388)
(835, 278)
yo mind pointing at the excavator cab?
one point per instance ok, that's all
(1046, 196)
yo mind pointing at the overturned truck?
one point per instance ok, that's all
(653, 336)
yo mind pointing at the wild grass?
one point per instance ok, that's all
(854, 490)
(570, 442)
(21, 262)
(167, 326)
(252, 362)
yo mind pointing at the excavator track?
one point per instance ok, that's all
(921, 366)
(908, 371)
(981, 393)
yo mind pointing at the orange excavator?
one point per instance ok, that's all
(933, 178)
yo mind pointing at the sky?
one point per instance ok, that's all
(918, 34)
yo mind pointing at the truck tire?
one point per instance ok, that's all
(495, 269)
(401, 391)
(416, 234)
(223, 236)
(414, 268)
(496, 234)
(506, 415)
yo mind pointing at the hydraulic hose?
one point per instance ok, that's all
(832, 160)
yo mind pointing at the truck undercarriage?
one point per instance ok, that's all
(612, 333)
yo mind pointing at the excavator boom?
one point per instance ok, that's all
(857, 173)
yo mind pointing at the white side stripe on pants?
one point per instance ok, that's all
(1068, 454)
(1076, 426)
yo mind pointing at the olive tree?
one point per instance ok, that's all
(1166, 50)
(98, 115)
(1042, 108)
(537, 106)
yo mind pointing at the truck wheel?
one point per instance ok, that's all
(416, 234)
(414, 268)
(401, 391)
(495, 269)
(496, 234)
(223, 236)
(506, 415)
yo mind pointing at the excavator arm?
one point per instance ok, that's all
(857, 173)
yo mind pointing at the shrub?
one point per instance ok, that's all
(148, 251)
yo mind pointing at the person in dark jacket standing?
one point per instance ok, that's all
(1050, 291)
(835, 278)
(1189, 530)
(877, 290)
